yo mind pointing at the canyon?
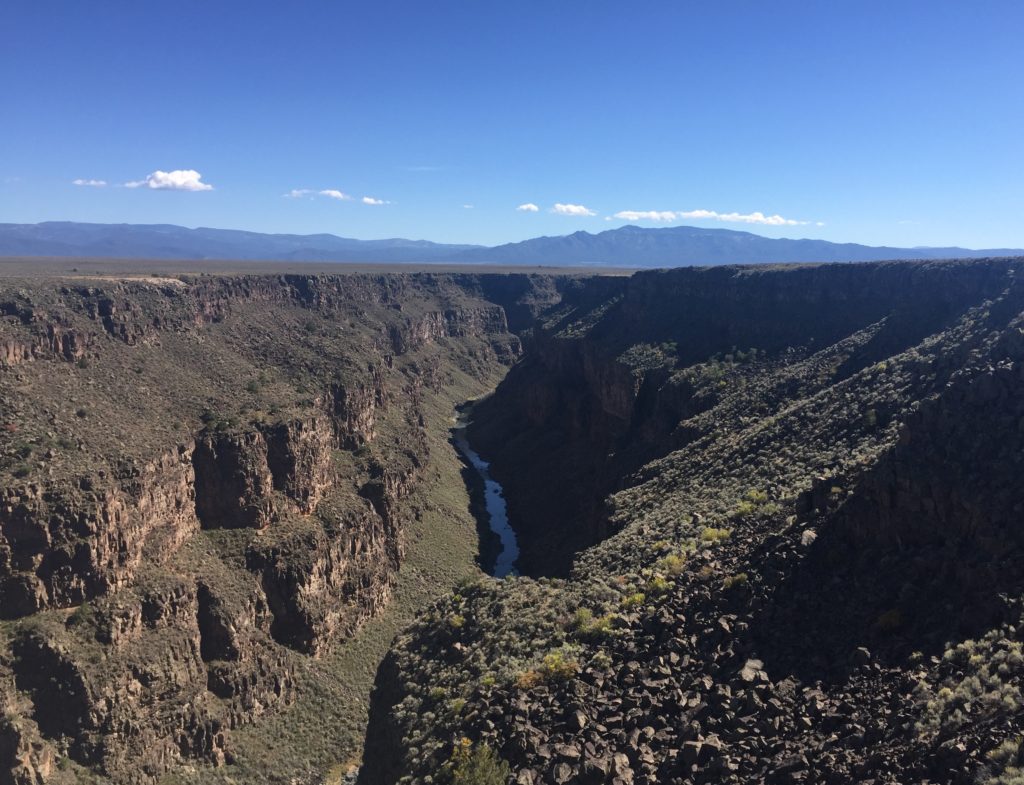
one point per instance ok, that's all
(211, 483)
(765, 520)
(768, 526)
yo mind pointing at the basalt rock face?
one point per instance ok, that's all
(598, 394)
(233, 481)
(59, 547)
(799, 562)
(299, 459)
(207, 480)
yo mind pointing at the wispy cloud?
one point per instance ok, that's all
(646, 215)
(468, 206)
(330, 193)
(529, 207)
(711, 215)
(371, 200)
(571, 209)
(178, 180)
(89, 183)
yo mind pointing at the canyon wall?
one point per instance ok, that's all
(600, 393)
(206, 479)
(785, 504)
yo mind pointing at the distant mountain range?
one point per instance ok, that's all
(628, 246)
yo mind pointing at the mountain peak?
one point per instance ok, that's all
(624, 246)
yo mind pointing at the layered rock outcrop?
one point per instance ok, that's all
(60, 547)
(196, 574)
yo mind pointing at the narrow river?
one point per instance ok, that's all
(497, 513)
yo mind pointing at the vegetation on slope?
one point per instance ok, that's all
(782, 579)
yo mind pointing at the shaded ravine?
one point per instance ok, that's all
(495, 510)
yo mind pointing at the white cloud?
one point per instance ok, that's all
(371, 200)
(90, 183)
(468, 206)
(571, 209)
(646, 215)
(747, 218)
(330, 193)
(178, 180)
(529, 207)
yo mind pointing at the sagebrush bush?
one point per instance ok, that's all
(477, 765)
(710, 534)
(1006, 764)
(589, 627)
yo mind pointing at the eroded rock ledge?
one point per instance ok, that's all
(205, 480)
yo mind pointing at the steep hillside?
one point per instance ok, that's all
(768, 515)
(209, 486)
(785, 503)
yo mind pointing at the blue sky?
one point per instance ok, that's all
(895, 123)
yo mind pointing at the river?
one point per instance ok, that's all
(496, 511)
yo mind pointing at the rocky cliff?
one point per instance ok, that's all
(768, 515)
(207, 480)
(784, 503)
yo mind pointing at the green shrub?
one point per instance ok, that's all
(557, 666)
(634, 600)
(590, 627)
(658, 585)
(981, 680)
(671, 565)
(1007, 764)
(712, 535)
(601, 659)
(732, 581)
(456, 706)
(756, 503)
(477, 765)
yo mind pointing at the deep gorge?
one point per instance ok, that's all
(693, 458)
(211, 487)
(499, 541)
(226, 496)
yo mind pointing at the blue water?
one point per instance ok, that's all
(497, 512)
